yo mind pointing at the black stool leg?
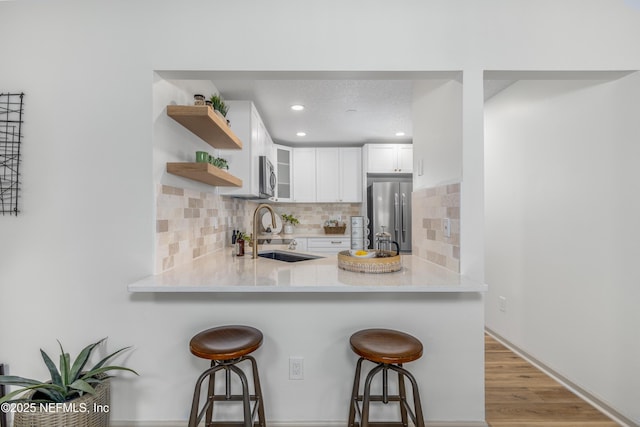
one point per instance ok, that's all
(195, 417)
(211, 395)
(354, 394)
(418, 417)
(403, 398)
(246, 402)
(257, 391)
(364, 419)
(416, 402)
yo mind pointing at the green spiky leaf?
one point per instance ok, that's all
(53, 370)
(66, 383)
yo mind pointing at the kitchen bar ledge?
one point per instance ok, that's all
(222, 272)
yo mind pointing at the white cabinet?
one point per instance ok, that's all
(405, 158)
(328, 245)
(338, 175)
(304, 174)
(301, 244)
(284, 172)
(247, 125)
(327, 176)
(350, 174)
(389, 158)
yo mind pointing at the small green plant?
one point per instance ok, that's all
(246, 237)
(219, 162)
(290, 219)
(218, 104)
(69, 381)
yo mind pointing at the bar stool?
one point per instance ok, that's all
(389, 349)
(227, 346)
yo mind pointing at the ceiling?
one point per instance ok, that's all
(341, 108)
(337, 112)
(345, 108)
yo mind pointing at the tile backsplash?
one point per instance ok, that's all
(190, 223)
(313, 215)
(430, 206)
(193, 223)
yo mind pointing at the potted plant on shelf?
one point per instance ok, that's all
(74, 396)
(220, 107)
(289, 222)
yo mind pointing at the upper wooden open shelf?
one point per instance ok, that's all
(204, 172)
(202, 121)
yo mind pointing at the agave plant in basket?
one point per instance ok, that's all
(71, 380)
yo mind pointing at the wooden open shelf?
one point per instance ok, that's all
(204, 172)
(202, 121)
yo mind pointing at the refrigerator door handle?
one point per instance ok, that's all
(396, 216)
(404, 218)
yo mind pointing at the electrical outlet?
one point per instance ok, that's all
(296, 368)
(502, 304)
(446, 225)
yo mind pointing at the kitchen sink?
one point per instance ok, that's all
(287, 256)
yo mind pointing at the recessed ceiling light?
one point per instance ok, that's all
(301, 134)
(399, 133)
(297, 107)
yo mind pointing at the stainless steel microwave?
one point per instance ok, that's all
(267, 178)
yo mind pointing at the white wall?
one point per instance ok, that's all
(562, 212)
(86, 226)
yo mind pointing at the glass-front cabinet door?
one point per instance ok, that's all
(284, 190)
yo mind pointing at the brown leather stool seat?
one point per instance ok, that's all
(226, 346)
(388, 349)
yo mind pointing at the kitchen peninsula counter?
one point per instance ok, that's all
(222, 272)
(310, 309)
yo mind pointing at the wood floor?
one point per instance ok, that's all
(518, 394)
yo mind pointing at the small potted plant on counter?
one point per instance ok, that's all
(289, 222)
(74, 396)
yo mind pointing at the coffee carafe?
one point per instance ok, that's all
(384, 242)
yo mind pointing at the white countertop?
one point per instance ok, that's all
(222, 272)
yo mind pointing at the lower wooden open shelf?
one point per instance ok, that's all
(204, 172)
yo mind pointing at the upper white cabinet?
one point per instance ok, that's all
(247, 125)
(304, 174)
(327, 175)
(284, 171)
(389, 158)
(351, 174)
(339, 175)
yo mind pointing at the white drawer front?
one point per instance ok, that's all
(328, 245)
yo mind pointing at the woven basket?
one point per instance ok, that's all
(79, 412)
(335, 230)
(387, 264)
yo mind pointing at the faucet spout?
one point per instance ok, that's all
(255, 226)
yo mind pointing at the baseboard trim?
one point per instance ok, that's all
(583, 394)
(293, 424)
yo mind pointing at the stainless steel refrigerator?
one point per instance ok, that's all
(389, 205)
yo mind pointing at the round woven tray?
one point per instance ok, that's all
(369, 265)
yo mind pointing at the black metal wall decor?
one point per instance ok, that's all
(3, 413)
(11, 109)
